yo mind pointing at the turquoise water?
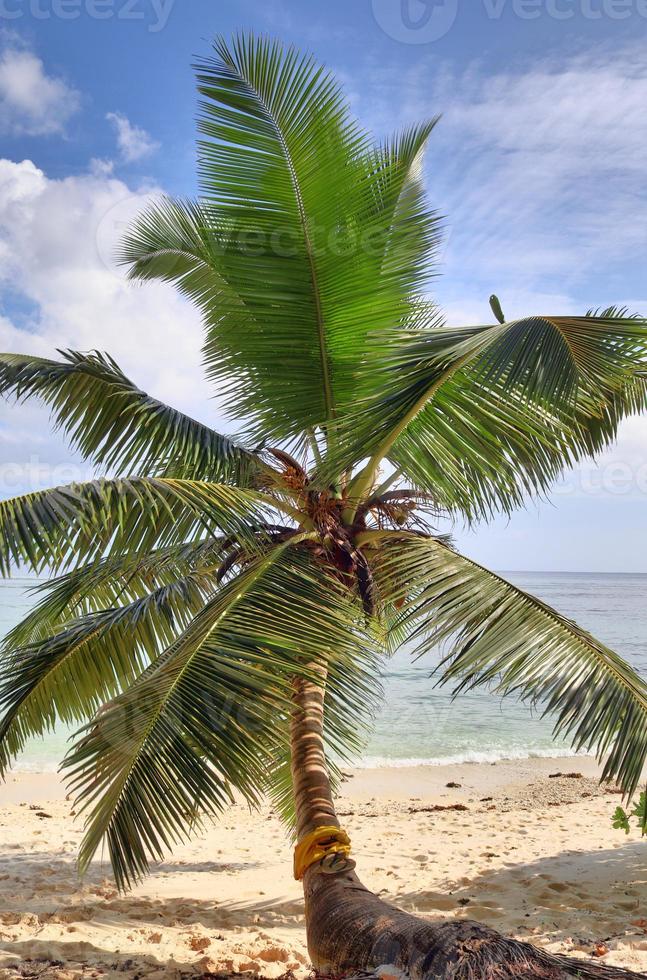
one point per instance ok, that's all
(419, 724)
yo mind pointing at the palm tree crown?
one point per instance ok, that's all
(202, 574)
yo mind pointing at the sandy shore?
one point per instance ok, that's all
(533, 856)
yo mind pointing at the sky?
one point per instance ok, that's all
(537, 166)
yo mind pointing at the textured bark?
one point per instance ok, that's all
(350, 929)
(311, 785)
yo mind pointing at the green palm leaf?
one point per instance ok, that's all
(484, 450)
(113, 423)
(68, 676)
(566, 360)
(80, 522)
(293, 195)
(495, 438)
(209, 714)
(505, 638)
(558, 372)
(110, 582)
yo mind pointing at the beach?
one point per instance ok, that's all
(512, 844)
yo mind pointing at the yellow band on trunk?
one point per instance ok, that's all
(318, 844)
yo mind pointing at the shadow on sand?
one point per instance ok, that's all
(541, 899)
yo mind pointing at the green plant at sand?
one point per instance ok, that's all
(222, 607)
(621, 820)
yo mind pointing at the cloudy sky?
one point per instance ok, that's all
(538, 165)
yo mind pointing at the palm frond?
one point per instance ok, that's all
(68, 676)
(488, 443)
(118, 426)
(600, 431)
(210, 713)
(507, 639)
(481, 452)
(566, 361)
(109, 582)
(558, 373)
(70, 525)
(484, 450)
(293, 195)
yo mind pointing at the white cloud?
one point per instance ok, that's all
(134, 142)
(551, 162)
(32, 102)
(538, 167)
(57, 238)
(100, 167)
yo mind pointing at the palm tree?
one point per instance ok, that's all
(219, 615)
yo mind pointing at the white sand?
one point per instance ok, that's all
(539, 861)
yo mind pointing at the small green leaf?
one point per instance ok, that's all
(620, 820)
(640, 811)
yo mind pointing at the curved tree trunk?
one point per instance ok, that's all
(350, 929)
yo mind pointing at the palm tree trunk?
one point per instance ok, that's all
(351, 929)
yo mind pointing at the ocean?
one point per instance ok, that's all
(420, 724)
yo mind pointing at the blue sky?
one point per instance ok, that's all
(538, 165)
